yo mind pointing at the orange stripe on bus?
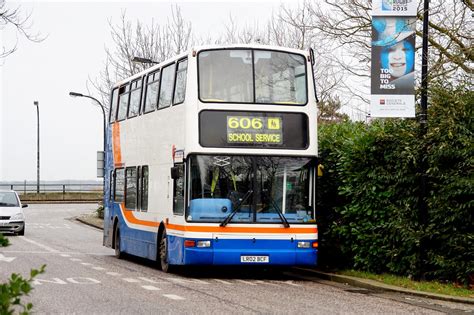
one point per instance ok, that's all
(233, 229)
(116, 143)
(128, 214)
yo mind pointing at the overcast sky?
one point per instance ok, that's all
(76, 34)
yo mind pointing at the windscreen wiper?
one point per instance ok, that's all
(231, 215)
(280, 213)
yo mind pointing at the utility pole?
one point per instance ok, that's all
(36, 103)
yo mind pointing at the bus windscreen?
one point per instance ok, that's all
(250, 189)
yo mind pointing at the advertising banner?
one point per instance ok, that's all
(393, 60)
(394, 7)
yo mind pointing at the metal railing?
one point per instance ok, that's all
(56, 191)
(45, 188)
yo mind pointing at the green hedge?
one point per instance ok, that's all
(368, 209)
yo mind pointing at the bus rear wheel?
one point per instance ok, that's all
(163, 253)
(118, 250)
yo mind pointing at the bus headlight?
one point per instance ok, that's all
(203, 244)
(304, 244)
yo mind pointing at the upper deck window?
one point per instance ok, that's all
(124, 95)
(135, 96)
(151, 98)
(113, 105)
(252, 76)
(166, 87)
(180, 89)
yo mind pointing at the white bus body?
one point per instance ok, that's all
(222, 170)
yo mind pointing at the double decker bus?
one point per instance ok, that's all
(211, 159)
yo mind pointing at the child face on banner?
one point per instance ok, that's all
(398, 58)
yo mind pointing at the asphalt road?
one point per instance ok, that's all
(83, 277)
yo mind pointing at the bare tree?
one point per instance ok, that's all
(347, 24)
(20, 22)
(154, 41)
(294, 27)
(237, 34)
(330, 111)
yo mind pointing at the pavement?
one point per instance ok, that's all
(94, 221)
(91, 220)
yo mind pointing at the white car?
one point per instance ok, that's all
(12, 219)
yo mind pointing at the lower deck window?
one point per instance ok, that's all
(131, 192)
(119, 185)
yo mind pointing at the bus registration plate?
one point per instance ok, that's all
(254, 259)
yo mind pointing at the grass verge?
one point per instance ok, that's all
(425, 286)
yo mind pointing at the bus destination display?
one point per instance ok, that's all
(253, 129)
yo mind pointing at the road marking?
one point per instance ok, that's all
(151, 280)
(150, 288)
(98, 268)
(7, 259)
(131, 280)
(47, 226)
(187, 281)
(65, 255)
(246, 282)
(223, 281)
(110, 273)
(45, 252)
(53, 280)
(26, 252)
(49, 249)
(75, 259)
(83, 280)
(72, 280)
(173, 297)
(87, 264)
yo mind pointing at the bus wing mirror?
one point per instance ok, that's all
(174, 172)
(311, 56)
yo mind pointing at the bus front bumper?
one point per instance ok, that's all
(247, 252)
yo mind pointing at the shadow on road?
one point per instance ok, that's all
(236, 272)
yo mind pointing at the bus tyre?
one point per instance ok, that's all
(164, 264)
(118, 250)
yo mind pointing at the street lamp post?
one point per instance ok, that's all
(74, 94)
(423, 206)
(143, 60)
(36, 103)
